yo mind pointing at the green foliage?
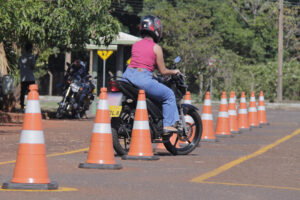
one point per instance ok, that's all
(54, 25)
(291, 80)
(240, 34)
(248, 28)
(59, 23)
(187, 33)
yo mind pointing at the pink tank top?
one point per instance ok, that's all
(142, 55)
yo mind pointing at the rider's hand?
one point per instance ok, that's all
(176, 71)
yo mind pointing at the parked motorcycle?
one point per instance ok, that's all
(123, 101)
(69, 105)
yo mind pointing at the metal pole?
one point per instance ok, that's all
(211, 84)
(50, 83)
(94, 64)
(280, 52)
(104, 70)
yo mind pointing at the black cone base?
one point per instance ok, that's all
(245, 129)
(100, 166)
(208, 140)
(127, 157)
(235, 132)
(259, 126)
(224, 136)
(30, 186)
(264, 124)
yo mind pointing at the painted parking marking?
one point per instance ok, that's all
(51, 155)
(251, 185)
(202, 178)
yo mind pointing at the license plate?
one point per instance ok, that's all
(115, 111)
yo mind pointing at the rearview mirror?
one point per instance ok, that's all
(177, 59)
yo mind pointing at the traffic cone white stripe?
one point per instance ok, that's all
(242, 100)
(141, 125)
(206, 117)
(187, 101)
(102, 128)
(102, 104)
(243, 111)
(261, 98)
(33, 106)
(232, 112)
(252, 109)
(252, 99)
(223, 101)
(207, 102)
(261, 108)
(141, 105)
(223, 114)
(32, 137)
(231, 100)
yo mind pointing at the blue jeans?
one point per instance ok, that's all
(155, 90)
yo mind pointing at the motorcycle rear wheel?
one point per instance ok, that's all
(183, 146)
(121, 144)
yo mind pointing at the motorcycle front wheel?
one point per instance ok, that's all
(59, 112)
(179, 145)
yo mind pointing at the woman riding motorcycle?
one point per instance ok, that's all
(145, 55)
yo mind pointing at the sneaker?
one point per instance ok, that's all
(169, 130)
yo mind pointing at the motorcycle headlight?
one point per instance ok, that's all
(74, 87)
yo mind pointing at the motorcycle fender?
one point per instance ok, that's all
(115, 98)
(187, 107)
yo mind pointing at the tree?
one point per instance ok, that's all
(57, 23)
(248, 27)
(187, 32)
(240, 34)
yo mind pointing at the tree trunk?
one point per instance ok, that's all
(201, 86)
(3, 61)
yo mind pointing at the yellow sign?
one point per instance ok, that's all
(115, 111)
(128, 61)
(104, 54)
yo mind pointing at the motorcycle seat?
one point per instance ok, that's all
(132, 92)
(129, 89)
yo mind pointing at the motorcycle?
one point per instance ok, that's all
(123, 99)
(69, 105)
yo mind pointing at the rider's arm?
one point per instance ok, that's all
(161, 63)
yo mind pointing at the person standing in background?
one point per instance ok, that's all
(26, 65)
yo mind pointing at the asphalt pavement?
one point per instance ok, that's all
(259, 164)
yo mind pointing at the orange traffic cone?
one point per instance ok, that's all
(31, 167)
(208, 134)
(140, 145)
(243, 122)
(101, 152)
(233, 121)
(261, 111)
(160, 146)
(252, 112)
(235, 102)
(187, 98)
(223, 129)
